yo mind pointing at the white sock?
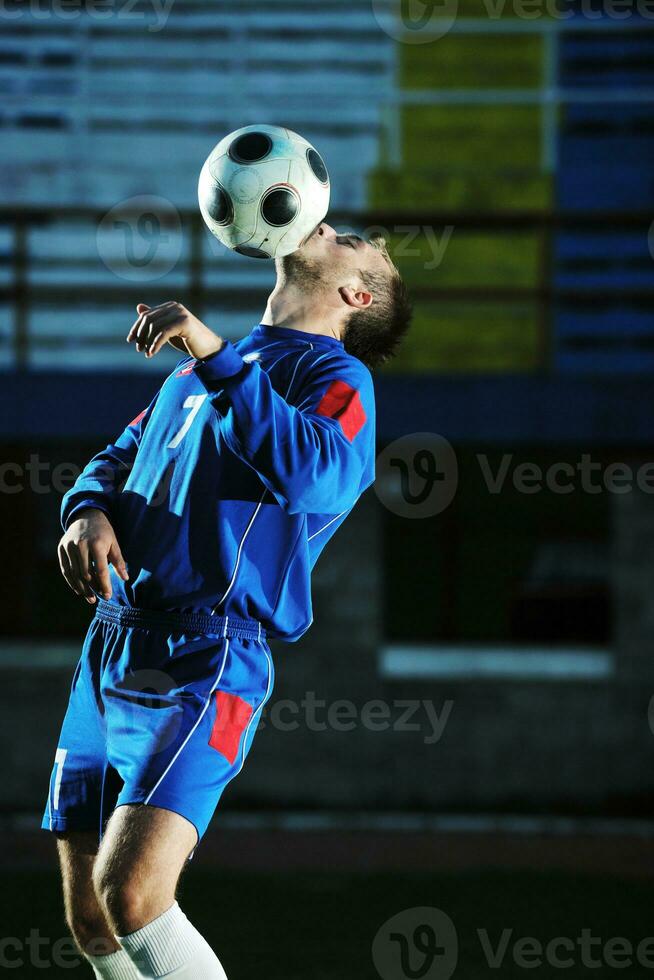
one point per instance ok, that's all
(172, 947)
(115, 966)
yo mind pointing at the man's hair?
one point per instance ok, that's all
(375, 334)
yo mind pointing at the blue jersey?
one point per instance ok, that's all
(225, 490)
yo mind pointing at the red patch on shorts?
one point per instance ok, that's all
(341, 402)
(233, 715)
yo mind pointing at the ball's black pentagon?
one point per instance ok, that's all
(317, 164)
(216, 202)
(250, 148)
(280, 206)
(251, 252)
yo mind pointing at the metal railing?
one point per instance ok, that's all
(24, 294)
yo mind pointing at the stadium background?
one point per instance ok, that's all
(507, 151)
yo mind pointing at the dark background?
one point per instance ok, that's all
(522, 146)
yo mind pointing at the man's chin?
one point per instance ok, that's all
(301, 267)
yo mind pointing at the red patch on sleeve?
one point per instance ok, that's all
(233, 715)
(341, 402)
(138, 417)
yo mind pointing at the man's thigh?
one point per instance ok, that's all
(77, 853)
(146, 843)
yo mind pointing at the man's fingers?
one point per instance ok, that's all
(156, 344)
(67, 572)
(117, 560)
(161, 328)
(80, 573)
(144, 316)
(101, 571)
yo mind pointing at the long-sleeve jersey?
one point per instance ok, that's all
(225, 490)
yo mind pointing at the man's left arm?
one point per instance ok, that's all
(315, 456)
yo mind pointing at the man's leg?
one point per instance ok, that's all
(135, 875)
(86, 919)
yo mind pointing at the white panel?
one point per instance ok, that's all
(511, 663)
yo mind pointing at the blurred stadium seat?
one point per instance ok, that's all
(94, 116)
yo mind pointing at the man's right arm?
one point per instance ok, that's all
(99, 483)
(89, 542)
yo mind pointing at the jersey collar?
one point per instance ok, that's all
(281, 333)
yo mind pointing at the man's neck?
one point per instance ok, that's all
(290, 308)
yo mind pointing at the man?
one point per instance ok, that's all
(194, 535)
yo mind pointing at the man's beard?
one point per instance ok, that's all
(300, 271)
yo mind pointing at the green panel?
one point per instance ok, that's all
(414, 188)
(468, 258)
(458, 61)
(471, 137)
(471, 337)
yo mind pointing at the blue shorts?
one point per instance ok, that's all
(163, 711)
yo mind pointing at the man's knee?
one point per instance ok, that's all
(128, 898)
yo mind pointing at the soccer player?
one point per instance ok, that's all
(194, 536)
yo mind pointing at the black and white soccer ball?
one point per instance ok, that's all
(263, 190)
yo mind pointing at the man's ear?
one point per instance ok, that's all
(359, 299)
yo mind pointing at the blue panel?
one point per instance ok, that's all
(599, 361)
(600, 61)
(605, 259)
(623, 322)
(606, 163)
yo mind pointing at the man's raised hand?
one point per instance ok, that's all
(171, 323)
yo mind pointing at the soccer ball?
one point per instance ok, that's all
(263, 190)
